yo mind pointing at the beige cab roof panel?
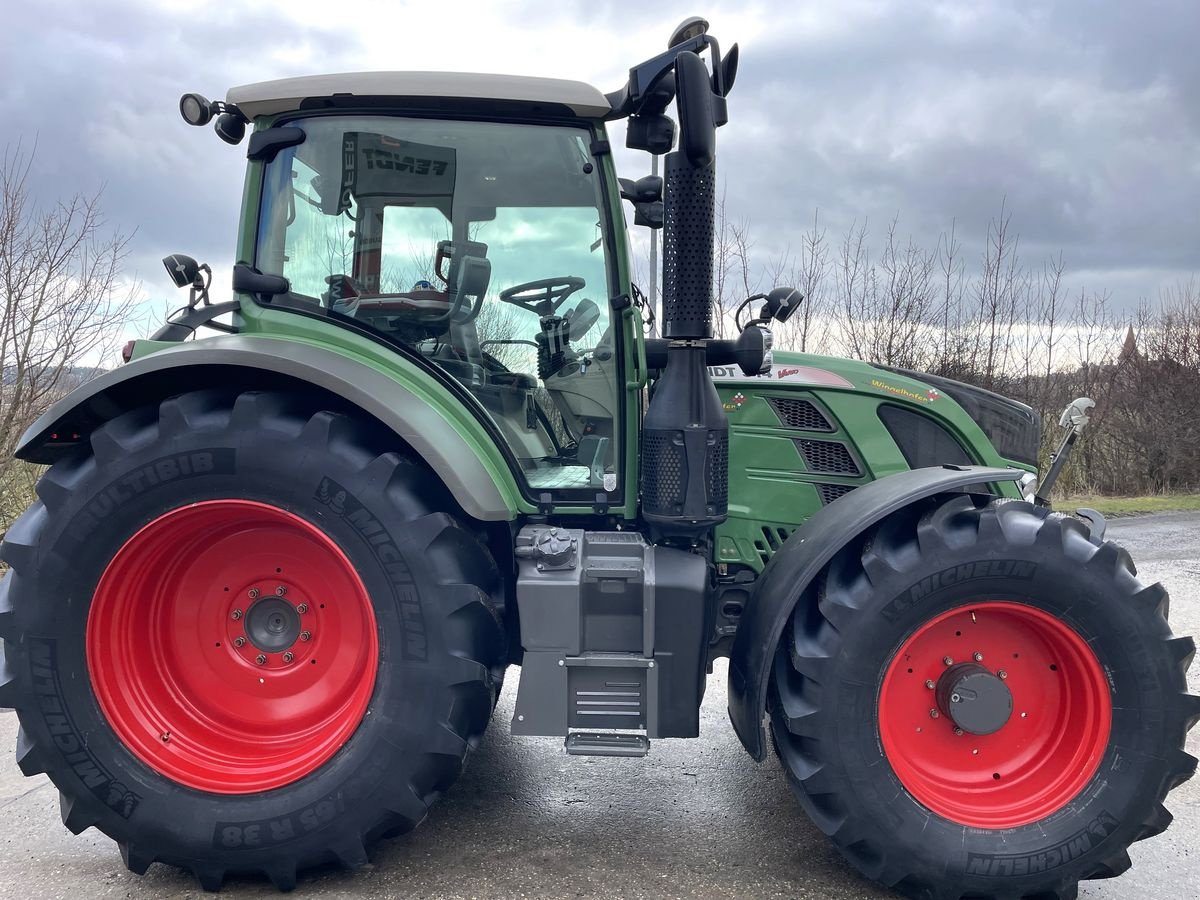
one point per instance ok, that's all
(285, 94)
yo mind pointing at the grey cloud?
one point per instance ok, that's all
(96, 86)
(1082, 117)
(1079, 116)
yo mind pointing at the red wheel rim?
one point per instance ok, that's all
(1046, 751)
(232, 646)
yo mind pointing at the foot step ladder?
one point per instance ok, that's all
(585, 743)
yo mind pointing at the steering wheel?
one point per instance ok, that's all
(543, 296)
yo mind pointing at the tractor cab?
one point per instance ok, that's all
(484, 247)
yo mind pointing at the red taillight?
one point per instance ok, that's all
(127, 351)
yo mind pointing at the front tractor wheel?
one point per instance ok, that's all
(242, 636)
(979, 700)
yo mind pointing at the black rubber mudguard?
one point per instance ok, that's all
(804, 554)
(152, 378)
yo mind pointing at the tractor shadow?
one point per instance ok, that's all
(694, 818)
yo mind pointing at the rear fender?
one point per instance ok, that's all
(801, 558)
(456, 447)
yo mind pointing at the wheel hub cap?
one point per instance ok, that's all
(976, 700)
(273, 625)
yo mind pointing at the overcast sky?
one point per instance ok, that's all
(1083, 116)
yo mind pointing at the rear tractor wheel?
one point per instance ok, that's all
(243, 637)
(978, 700)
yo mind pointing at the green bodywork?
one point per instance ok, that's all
(771, 490)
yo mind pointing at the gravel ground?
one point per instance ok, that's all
(694, 819)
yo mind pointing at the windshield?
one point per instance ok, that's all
(479, 245)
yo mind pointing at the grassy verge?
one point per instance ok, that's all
(1132, 506)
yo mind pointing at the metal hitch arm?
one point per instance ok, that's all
(1075, 418)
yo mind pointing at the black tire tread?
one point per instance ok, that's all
(480, 652)
(813, 637)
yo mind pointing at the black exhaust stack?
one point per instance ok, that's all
(685, 435)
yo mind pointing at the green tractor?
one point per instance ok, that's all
(261, 610)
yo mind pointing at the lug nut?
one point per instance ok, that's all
(236, 614)
(302, 608)
(947, 660)
(978, 656)
(239, 641)
(252, 593)
(305, 635)
(281, 590)
(958, 731)
(288, 657)
(260, 659)
(933, 714)
(1002, 674)
(954, 698)
(929, 683)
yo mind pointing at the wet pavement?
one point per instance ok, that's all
(694, 819)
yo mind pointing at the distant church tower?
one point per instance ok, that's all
(1129, 350)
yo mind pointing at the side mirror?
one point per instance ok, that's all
(248, 280)
(694, 96)
(782, 302)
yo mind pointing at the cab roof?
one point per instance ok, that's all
(267, 98)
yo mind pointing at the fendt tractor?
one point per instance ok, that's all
(261, 610)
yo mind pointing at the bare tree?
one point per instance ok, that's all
(63, 305)
(888, 305)
(806, 331)
(997, 294)
(732, 265)
(854, 291)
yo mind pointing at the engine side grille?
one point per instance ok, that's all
(922, 440)
(827, 457)
(831, 492)
(773, 538)
(801, 414)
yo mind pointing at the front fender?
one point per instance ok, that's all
(417, 409)
(805, 553)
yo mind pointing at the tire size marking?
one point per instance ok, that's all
(112, 793)
(278, 830)
(1072, 848)
(344, 505)
(169, 468)
(270, 832)
(993, 568)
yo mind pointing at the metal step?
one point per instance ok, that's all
(582, 743)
